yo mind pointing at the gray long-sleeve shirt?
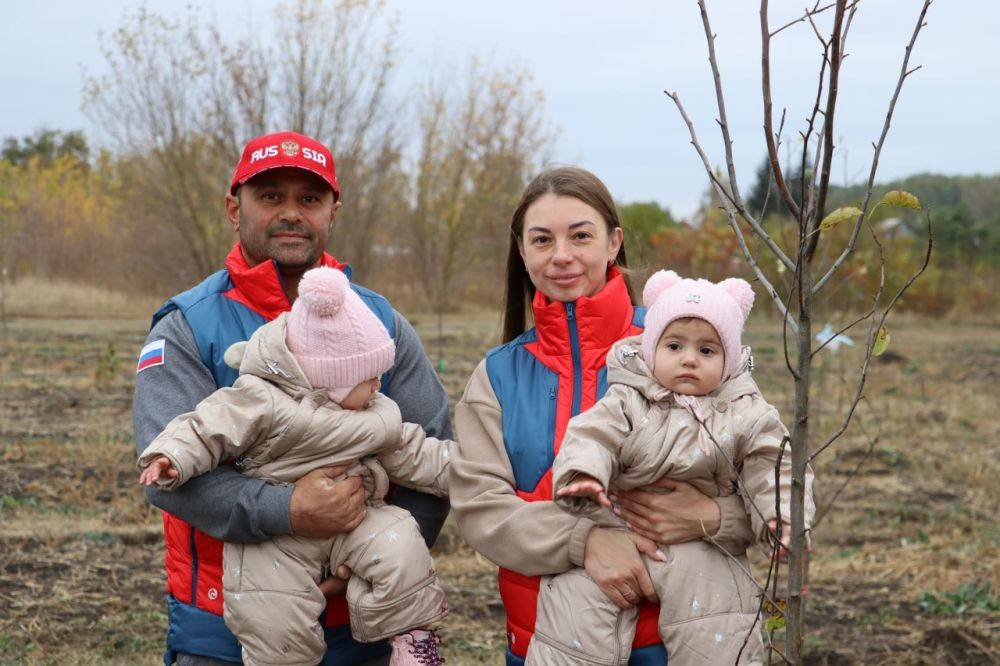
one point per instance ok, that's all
(231, 507)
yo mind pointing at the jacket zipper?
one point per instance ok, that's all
(194, 568)
(574, 345)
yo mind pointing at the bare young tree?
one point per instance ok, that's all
(183, 97)
(805, 197)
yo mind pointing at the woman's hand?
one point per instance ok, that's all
(680, 514)
(611, 558)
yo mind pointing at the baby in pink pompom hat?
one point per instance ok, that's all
(307, 397)
(680, 405)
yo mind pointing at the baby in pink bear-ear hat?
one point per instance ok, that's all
(307, 397)
(681, 404)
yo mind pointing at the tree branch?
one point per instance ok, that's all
(728, 207)
(828, 116)
(903, 73)
(732, 192)
(771, 568)
(872, 442)
(847, 26)
(727, 142)
(772, 149)
(870, 343)
(842, 331)
(819, 36)
(807, 194)
(724, 193)
(812, 12)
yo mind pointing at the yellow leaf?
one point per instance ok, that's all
(881, 342)
(901, 199)
(774, 623)
(842, 214)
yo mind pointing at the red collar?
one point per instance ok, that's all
(260, 287)
(602, 319)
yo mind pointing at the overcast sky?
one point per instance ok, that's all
(603, 66)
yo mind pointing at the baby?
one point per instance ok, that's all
(680, 404)
(307, 397)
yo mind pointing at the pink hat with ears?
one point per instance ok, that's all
(724, 305)
(336, 339)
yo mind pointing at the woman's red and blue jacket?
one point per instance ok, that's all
(541, 379)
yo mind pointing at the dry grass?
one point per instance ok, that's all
(81, 575)
(36, 297)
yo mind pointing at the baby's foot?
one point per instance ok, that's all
(416, 648)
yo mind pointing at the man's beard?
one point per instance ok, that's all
(292, 257)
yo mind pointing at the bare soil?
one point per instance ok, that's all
(905, 569)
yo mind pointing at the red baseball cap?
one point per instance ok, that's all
(285, 149)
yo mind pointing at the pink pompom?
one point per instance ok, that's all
(742, 293)
(322, 290)
(658, 282)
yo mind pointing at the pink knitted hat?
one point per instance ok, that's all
(724, 305)
(337, 340)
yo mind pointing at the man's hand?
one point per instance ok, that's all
(323, 507)
(678, 515)
(612, 560)
(584, 485)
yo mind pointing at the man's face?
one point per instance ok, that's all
(283, 214)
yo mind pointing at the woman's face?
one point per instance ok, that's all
(566, 247)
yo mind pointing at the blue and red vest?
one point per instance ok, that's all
(541, 379)
(227, 307)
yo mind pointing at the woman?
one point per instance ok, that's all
(566, 255)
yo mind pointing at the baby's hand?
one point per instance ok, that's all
(159, 468)
(584, 485)
(786, 538)
(781, 552)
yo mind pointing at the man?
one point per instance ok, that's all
(282, 201)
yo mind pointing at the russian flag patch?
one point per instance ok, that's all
(151, 354)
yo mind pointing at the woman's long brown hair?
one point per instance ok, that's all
(566, 181)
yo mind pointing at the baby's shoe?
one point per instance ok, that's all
(416, 648)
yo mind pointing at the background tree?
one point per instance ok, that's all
(481, 138)
(643, 222)
(56, 217)
(181, 98)
(46, 145)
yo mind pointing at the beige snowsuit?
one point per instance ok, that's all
(277, 427)
(633, 436)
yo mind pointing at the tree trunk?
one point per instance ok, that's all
(795, 624)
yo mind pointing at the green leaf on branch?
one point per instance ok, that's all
(881, 342)
(901, 199)
(842, 214)
(775, 623)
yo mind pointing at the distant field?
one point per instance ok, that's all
(906, 567)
